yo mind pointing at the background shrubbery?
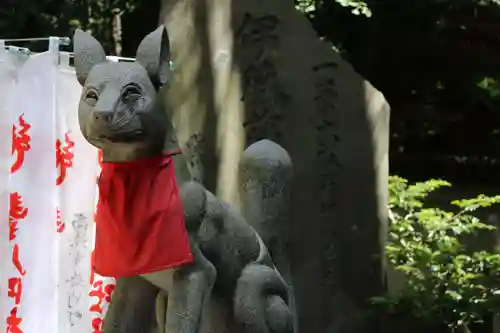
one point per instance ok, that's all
(445, 282)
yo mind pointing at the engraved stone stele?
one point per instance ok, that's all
(248, 70)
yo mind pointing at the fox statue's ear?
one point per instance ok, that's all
(88, 53)
(154, 55)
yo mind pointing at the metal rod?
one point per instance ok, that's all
(18, 49)
(112, 58)
(63, 40)
(71, 55)
(116, 58)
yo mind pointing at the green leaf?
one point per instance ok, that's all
(444, 280)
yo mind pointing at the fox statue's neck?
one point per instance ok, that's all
(169, 145)
(182, 173)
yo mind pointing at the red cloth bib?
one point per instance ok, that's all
(139, 220)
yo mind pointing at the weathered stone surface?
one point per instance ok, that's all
(133, 307)
(282, 83)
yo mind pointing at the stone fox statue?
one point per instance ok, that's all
(157, 225)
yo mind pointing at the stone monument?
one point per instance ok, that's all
(248, 70)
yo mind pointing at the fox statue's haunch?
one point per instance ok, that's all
(121, 113)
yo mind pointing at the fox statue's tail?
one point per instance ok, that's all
(265, 178)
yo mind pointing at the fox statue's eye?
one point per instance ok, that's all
(91, 96)
(130, 94)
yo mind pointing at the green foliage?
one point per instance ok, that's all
(491, 86)
(358, 7)
(444, 281)
(306, 6)
(41, 18)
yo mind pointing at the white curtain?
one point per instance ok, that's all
(48, 194)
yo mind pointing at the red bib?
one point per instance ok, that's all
(139, 220)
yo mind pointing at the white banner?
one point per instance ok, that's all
(48, 194)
